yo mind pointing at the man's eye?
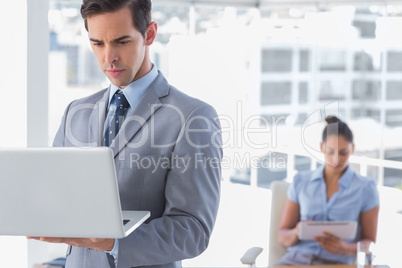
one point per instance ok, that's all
(124, 42)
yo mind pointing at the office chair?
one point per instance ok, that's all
(56, 263)
(275, 251)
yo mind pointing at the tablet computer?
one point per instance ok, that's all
(342, 229)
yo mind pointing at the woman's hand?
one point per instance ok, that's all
(332, 243)
(288, 234)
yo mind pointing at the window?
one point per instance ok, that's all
(394, 91)
(276, 93)
(304, 60)
(276, 60)
(364, 113)
(364, 61)
(332, 90)
(273, 61)
(394, 117)
(394, 61)
(332, 60)
(303, 92)
(365, 90)
(280, 62)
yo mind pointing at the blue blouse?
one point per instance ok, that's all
(356, 195)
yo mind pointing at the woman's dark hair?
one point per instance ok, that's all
(337, 127)
(140, 11)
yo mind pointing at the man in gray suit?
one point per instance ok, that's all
(167, 152)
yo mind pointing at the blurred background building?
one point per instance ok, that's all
(274, 65)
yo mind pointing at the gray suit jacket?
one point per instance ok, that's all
(167, 156)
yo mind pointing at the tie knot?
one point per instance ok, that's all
(121, 102)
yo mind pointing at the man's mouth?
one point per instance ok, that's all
(115, 72)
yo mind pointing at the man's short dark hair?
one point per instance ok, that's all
(140, 11)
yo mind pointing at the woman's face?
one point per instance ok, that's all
(337, 151)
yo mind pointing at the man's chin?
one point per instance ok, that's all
(117, 82)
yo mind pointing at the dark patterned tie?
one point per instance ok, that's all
(116, 116)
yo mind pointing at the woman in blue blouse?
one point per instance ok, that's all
(333, 192)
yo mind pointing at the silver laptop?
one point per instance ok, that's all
(62, 192)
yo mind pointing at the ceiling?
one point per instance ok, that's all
(270, 3)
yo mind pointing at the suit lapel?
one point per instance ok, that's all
(140, 115)
(97, 120)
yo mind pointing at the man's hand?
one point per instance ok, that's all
(93, 243)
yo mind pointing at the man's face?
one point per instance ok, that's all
(119, 47)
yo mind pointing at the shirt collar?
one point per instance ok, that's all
(345, 179)
(318, 173)
(136, 89)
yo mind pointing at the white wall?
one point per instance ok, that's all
(13, 73)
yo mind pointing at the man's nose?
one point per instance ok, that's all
(111, 55)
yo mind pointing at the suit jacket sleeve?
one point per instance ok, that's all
(59, 139)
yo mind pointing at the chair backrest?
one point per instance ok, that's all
(278, 198)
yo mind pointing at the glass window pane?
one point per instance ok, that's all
(73, 69)
(394, 90)
(332, 60)
(172, 20)
(364, 61)
(364, 113)
(302, 163)
(304, 60)
(273, 169)
(393, 177)
(366, 90)
(394, 61)
(327, 69)
(303, 92)
(255, 59)
(332, 90)
(275, 119)
(276, 60)
(301, 118)
(275, 93)
(394, 117)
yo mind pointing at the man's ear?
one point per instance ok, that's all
(150, 33)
